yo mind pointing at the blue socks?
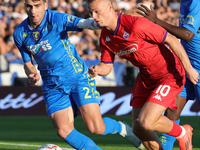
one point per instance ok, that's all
(111, 126)
(167, 141)
(80, 141)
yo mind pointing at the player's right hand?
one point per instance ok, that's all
(148, 13)
(33, 79)
(93, 70)
(193, 76)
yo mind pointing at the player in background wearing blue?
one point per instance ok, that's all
(67, 85)
(189, 33)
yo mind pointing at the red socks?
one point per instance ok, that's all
(176, 130)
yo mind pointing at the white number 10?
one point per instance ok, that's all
(162, 88)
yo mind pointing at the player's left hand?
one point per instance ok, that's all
(93, 70)
(193, 76)
(33, 79)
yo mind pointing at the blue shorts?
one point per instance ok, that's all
(191, 91)
(75, 94)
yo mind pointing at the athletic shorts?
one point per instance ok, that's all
(76, 94)
(191, 91)
(164, 93)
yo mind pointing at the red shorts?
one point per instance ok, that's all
(164, 93)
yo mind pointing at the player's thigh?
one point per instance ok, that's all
(87, 99)
(159, 100)
(84, 92)
(91, 116)
(63, 119)
(135, 115)
(56, 100)
(151, 113)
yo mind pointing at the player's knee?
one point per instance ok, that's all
(63, 133)
(146, 124)
(96, 129)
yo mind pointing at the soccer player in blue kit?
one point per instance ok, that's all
(67, 85)
(189, 33)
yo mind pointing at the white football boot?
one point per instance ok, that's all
(130, 136)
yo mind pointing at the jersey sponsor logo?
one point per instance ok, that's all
(36, 35)
(127, 50)
(181, 18)
(126, 35)
(39, 49)
(188, 20)
(42, 46)
(107, 39)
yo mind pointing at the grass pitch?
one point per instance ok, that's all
(29, 133)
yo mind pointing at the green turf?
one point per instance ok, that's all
(36, 131)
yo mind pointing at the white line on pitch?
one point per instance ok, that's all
(1, 143)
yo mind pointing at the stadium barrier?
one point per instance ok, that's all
(28, 101)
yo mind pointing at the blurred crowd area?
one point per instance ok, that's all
(12, 13)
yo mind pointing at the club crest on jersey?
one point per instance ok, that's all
(126, 35)
(71, 18)
(107, 39)
(36, 35)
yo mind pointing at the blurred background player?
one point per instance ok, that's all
(189, 33)
(161, 77)
(67, 85)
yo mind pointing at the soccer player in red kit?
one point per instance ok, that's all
(162, 74)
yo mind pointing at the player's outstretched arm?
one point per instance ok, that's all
(89, 23)
(101, 69)
(179, 32)
(178, 49)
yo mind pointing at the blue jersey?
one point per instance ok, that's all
(189, 18)
(51, 48)
(64, 73)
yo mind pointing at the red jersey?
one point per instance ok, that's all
(141, 42)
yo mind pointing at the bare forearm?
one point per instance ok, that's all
(178, 49)
(176, 46)
(104, 69)
(30, 70)
(179, 32)
(101, 69)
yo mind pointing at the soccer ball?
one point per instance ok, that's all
(49, 147)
